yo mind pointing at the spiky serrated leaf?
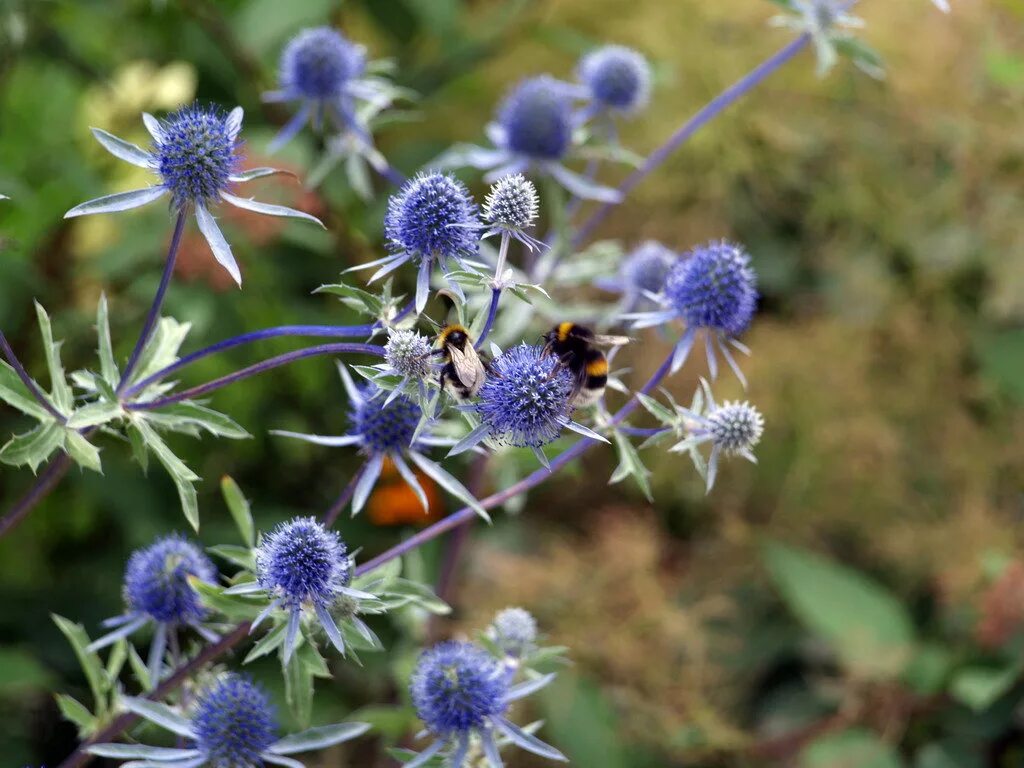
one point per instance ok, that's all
(83, 452)
(864, 57)
(88, 660)
(630, 464)
(239, 508)
(60, 390)
(138, 447)
(240, 556)
(357, 298)
(268, 643)
(14, 392)
(108, 366)
(187, 416)
(182, 476)
(298, 688)
(77, 713)
(657, 410)
(414, 593)
(94, 414)
(34, 447)
(234, 607)
(162, 348)
(139, 669)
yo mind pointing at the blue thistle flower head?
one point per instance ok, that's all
(514, 630)
(408, 353)
(156, 580)
(234, 723)
(714, 287)
(536, 118)
(302, 562)
(646, 268)
(735, 427)
(617, 77)
(457, 686)
(317, 64)
(384, 428)
(196, 152)
(511, 204)
(525, 402)
(432, 215)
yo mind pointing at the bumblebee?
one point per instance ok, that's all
(464, 371)
(576, 347)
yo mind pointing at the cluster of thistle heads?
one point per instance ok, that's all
(298, 588)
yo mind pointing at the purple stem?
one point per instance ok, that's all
(252, 370)
(331, 515)
(491, 314)
(45, 483)
(642, 432)
(28, 381)
(328, 331)
(158, 301)
(713, 108)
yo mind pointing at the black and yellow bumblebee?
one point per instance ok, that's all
(464, 371)
(577, 348)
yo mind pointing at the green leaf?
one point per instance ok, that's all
(138, 447)
(240, 556)
(89, 660)
(356, 298)
(929, 669)
(94, 414)
(162, 348)
(867, 626)
(980, 687)
(418, 594)
(657, 410)
(82, 451)
(234, 607)
(298, 688)
(182, 476)
(14, 392)
(630, 464)
(139, 669)
(238, 505)
(854, 748)
(77, 713)
(33, 447)
(183, 417)
(108, 366)
(116, 660)
(864, 57)
(60, 390)
(268, 643)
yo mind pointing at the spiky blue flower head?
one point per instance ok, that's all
(408, 353)
(646, 268)
(617, 77)
(714, 287)
(318, 62)
(536, 118)
(432, 215)
(234, 723)
(735, 427)
(196, 152)
(525, 402)
(456, 686)
(511, 204)
(156, 580)
(301, 562)
(384, 428)
(514, 630)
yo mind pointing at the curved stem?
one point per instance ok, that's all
(491, 314)
(45, 483)
(27, 380)
(713, 108)
(327, 331)
(252, 370)
(158, 301)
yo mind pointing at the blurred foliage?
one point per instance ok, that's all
(856, 599)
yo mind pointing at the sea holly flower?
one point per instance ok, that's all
(462, 693)
(643, 271)
(196, 155)
(431, 220)
(329, 77)
(386, 428)
(829, 26)
(513, 631)
(509, 210)
(525, 403)
(534, 131)
(158, 591)
(232, 724)
(617, 79)
(712, 288)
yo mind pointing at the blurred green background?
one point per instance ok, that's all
(856, 599)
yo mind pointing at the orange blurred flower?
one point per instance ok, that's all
(393, 502)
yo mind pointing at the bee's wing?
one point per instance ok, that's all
(610, 341)
(467, 365)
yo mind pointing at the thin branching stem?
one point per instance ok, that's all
(27, 380)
